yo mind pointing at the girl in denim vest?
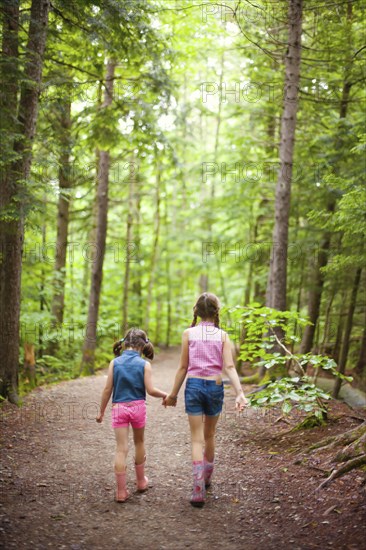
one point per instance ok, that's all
(129, 378)
(206, 350)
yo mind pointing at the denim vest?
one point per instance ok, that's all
(128, 377)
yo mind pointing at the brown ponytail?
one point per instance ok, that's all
(118, 347)
(207, 307)
(136, 339)
(148, 350)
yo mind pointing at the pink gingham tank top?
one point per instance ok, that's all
(205, 346)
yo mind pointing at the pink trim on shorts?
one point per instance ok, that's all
(131, 412)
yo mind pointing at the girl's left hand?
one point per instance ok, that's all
(99, 418)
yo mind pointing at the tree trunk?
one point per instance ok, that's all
(361, 363)
(137, 283)
(338, 341)
(90, 340)
(325, 344)
(154, 252)
(129, 225)
(15, 172)
(42, 300)
(347, 332)
(30, 364)
(315, 293)
(168, 302)
(276, 293)
(65, 183)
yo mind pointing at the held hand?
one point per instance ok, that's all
(240, 402)
(170, 401)
(99, 418)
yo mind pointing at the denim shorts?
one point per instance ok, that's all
(203, 397)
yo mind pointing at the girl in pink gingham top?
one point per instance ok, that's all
(206, 350)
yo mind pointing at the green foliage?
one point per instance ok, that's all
(165, 55)
(256, 325)
(299, 393)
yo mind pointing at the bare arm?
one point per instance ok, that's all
(230, 369)
(107, 392)
(181, 372)
(154, 392)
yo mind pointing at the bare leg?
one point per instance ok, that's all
(122, 449)
(209, 435)
(197, 438)
(139, 440)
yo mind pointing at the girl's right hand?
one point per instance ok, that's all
(240, 402)
(99, 418)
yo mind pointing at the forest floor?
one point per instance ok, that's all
(57, 478)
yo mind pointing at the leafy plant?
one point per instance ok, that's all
(256, 329)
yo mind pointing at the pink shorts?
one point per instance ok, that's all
(132, 412)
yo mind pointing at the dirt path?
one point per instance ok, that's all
(58, 485)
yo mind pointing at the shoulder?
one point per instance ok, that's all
(147, 366)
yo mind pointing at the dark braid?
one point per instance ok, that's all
(217, 319)
(194, 322)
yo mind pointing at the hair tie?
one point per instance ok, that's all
(147, 340)
(122, 340)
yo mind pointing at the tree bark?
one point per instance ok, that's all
(361, 363)
(15, 172)
(154, 252)
(90, 340)
(65, 184)
(315, 292)
(276, 294)
(129, 226)
(347, 332)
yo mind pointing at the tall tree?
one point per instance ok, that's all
(155, 248)
(277, 281)
(15, 172)
(347, 331)
(129, 244)
(65, 184)
(317, 283)
(90, 340)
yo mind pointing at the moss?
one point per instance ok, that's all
(253, 379)
(309, 422)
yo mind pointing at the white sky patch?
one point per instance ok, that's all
(166, 122)
(125, 125)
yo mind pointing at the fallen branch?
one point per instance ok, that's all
(350, 465)
(337, 440)
(357, 448)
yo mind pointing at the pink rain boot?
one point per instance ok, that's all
(121, 493)
(198, 494)
(208, 467)
(141, 479)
